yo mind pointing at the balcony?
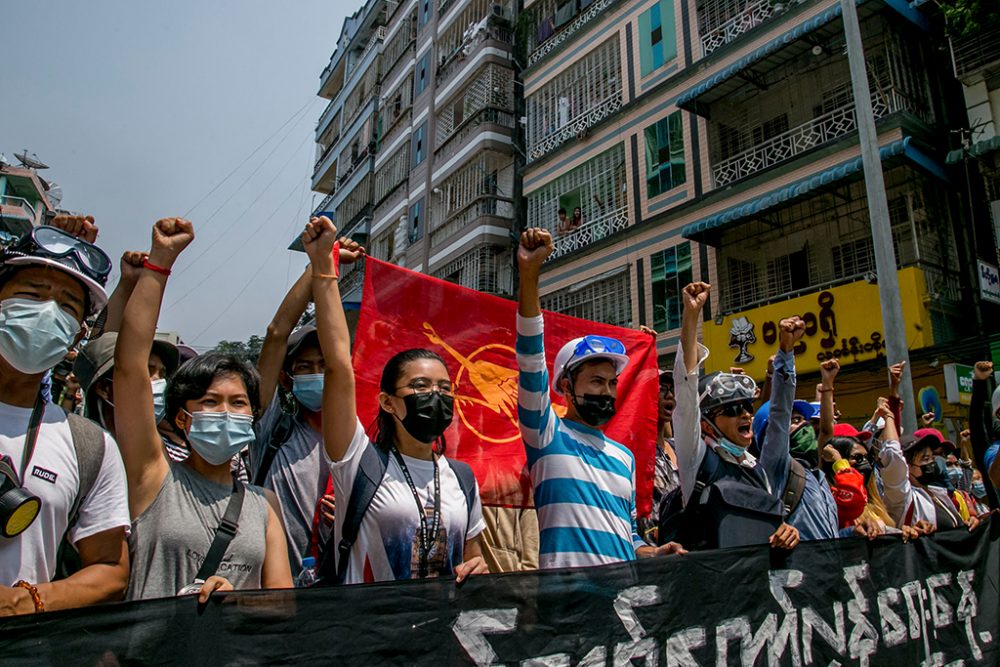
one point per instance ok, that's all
(352, 281)
(586, 93)
(591, 232)
(330, 116)
(480, 22)
(719, 25)
(548, 36)
(324, 205)
(496, 210)
(18, 208)
(481, 186)
(820, 130)
(487, 269)
(471, 127)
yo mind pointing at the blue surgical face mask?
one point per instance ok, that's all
(219, 436)
(732, 447)
(979, 489)
(35, 335)
(159, 400)
(308, 389)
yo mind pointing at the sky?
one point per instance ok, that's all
(146, 110)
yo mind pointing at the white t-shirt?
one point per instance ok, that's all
(52, 474)
(388, 542)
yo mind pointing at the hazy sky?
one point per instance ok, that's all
(140, 109)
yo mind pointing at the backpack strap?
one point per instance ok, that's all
(467, 481)
(371, 470)
(88, 442)
(280, 434)
(794, 487)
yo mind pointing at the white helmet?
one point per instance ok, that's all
(588, 348)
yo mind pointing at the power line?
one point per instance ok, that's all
(247, 158)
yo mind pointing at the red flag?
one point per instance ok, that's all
(474, 334)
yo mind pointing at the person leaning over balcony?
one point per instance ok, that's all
(729, 497)
(564, 226)
(584, 482)
(50, 282)
(178, 508)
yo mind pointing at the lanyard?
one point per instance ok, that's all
(31, 437)
(427, 535)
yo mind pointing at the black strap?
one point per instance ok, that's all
(467, 482)
(225, 533)
(279, 436)
(794, 486)
(371, 470)
(31, 437)
(427, 534)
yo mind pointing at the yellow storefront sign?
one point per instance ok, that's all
(842, 322)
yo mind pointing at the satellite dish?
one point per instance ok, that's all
(55, 194)
(3, 160)
(31, 162)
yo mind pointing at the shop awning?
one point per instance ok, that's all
(977, 149)
(707, 229)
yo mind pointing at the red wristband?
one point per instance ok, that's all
(154, 267)
(336, 258)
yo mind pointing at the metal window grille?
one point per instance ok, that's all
(392, 173)
(607, 300)
(366, 88)
(581, 96)
(356, 204)
(460, 32)
(487, 175)
(383, 246)
(400, 43)
(492, 87)
(598, 186)
(486, 269)
(393, 108)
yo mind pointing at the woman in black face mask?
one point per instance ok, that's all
(404, 511)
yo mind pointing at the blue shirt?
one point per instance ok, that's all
(584, 482)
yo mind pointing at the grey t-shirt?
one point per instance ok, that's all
(170, 539)
(298, 476)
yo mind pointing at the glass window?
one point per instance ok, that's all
(422, 73)
(416, 230)
(419, 144)
(425, 12)
(664, 155)
(670, 271)
(657, 37)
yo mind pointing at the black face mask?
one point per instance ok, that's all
(595, 409)
(930, 475)
(428, 414)
(865, 469)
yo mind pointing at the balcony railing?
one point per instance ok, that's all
(349, 282)
(326, 152)
(805, 137)
(591, 232)
(577, 126)
(585, 17)
(748, 19)
(327, 200)
(486, 206)
(496, 33)
(361, 158)
(469, 127)
(17, 207)
(375, 40)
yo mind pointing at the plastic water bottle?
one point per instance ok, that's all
(307, 577)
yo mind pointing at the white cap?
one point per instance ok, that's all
(568, 359)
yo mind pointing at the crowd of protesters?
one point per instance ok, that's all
(134, 468)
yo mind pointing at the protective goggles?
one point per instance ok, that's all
(67, 249)
(598, 345)
(730, 385)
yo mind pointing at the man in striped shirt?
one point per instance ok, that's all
(584, 482)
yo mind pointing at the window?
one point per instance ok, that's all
(422, 73)
(664, 155)
(853, 258)
(607, 299)
(670, 272)
(741, 284)
(657, 37)
(788, 273)
(419, 144)
(425, 12)
(416, 226)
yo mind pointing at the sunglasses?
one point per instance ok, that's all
(858, 459)
(736, 409)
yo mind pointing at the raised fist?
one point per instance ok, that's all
(170, 237)
(695, 296)
(80, 226)
(927, 419)
(983, 370)
(830, 454)
(828, 372)
(318, 238)
(792, 329)
(535, 247)
(131, 265)
(896, 374)
(882, 407)
(350, 251)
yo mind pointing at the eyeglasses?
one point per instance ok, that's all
(736, 409)
(423, 386)
(598, 345)
(858, 459)
(56, 244)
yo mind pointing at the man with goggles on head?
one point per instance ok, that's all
(50, 282)
(729, 497)
(584, 482)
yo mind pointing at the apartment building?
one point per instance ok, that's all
(415, 151)
(716, 140)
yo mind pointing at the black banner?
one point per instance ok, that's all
(934, 601)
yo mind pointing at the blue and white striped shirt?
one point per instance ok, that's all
(584, 482)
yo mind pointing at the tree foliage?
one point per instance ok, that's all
(248, 351)
(966, 18)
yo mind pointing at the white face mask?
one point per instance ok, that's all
(35, 335)
(159, 400)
